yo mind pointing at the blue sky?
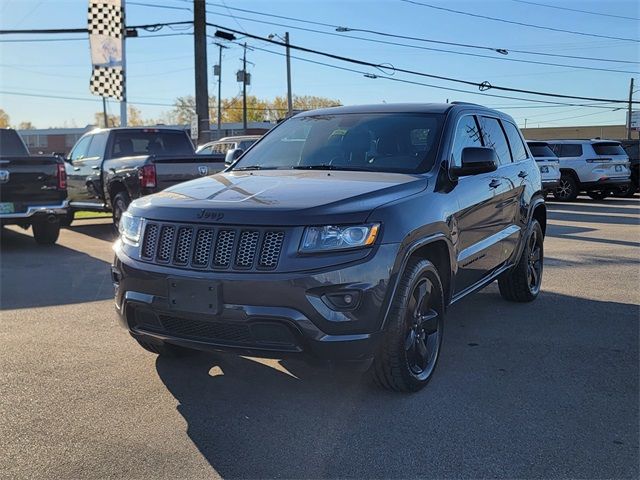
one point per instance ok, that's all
(161, 68)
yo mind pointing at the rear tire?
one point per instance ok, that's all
(598, 195)
(45, 232)
(407, 357)
(627, 191)
(120, 204)
(567, 189)
(164, 349)
(522, 283)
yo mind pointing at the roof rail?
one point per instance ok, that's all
(466, 103)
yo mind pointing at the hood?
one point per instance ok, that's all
(279, 197)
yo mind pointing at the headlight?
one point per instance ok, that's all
(334, 237)
(130, 228)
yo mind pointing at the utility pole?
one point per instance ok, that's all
(104, 112)
(218, 72)
(200, 54)
(244, 89)
(123, 103)
(629, 110)
(289, 94)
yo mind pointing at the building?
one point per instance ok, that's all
(47, 141)
(611, 132)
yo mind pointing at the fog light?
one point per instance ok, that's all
(342, 300)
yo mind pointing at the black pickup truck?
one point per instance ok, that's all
(107, 168)
(33, 189)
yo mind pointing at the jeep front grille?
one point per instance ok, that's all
(215, 248)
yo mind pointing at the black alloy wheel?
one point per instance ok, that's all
(534, 265)
(422, 342)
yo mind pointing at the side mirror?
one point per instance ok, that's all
(233, 155)
(476, 160)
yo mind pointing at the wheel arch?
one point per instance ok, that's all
(539, 213)
(114, 188)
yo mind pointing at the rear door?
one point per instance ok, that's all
(90, 171)
(479, 218)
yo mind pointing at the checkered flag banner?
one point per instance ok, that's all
(106, 28)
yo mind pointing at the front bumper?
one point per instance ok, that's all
(261, 314)
(57, 209)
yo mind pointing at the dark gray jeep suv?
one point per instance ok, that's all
(344, 234)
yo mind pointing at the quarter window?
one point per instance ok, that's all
(467, 135)
(518, 150)
(494, 138)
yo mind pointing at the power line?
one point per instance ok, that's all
(513, 22)
(599, 14)
(419, 39)
(534, 62)
(555, 120)
(544, 103)
(483, 86)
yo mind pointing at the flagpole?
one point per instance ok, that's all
(123, 102)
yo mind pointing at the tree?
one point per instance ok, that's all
(134, 117)
(112, 120)
(26, 126)
(4, 119)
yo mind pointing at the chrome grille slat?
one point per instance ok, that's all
(211, 247)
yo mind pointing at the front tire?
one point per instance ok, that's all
(407, 357)
(522, 283)
(120, 204)
(46, 232)
(567, 189)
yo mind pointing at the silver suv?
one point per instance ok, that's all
(598, 167)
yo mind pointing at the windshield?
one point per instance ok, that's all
(540, 150)
(395, 142)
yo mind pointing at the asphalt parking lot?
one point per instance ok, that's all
(545, 390)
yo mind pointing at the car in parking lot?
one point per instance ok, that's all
(598, 167)
(632, 147)
(347, 244)
(548, 164)
(228, 146)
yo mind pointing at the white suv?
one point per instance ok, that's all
(598, 167)
(548, 164)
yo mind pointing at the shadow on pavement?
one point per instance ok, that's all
(515, 395)
(102, 231)
(35, 276)
(571, 233)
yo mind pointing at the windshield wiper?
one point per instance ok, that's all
(255, 167)
(326, 166)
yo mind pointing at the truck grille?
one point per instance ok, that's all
(215, 248)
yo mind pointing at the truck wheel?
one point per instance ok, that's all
(120, 203)
(407, 357)
(163, 349)
(567, 189)
(522, 282)
(46, 232)
(626, 191)
(67, 220)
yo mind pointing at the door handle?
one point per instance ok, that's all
(495, 183)
(95, 167)
(523, 174)
(76, 169)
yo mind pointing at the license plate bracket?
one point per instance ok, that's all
(7, 207)
(195, 296)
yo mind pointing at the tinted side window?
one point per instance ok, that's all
(467, 135)
(10, 143)
(80, 150)
(98, 144)
(569, 150)
(518, 150)
(494, 138)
